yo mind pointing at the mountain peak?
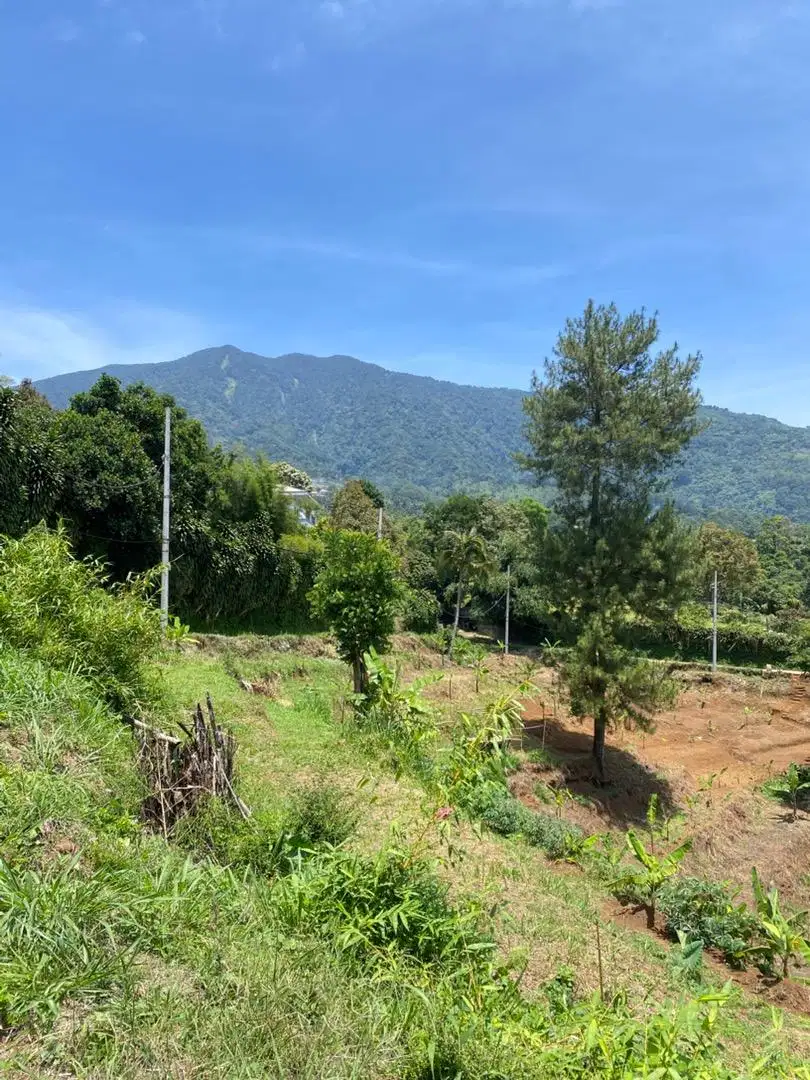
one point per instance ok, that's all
(337, 416)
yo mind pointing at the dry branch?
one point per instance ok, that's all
(183, 772)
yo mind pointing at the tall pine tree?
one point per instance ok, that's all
(604, 423)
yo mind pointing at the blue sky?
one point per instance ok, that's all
(432, 185)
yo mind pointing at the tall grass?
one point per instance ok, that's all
(65, 612)
(123, 956)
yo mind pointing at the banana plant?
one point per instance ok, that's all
(655, 871)
(790, 786)
(783, 936)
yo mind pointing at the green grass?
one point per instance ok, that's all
(125, 956)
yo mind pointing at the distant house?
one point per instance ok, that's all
(306, 505)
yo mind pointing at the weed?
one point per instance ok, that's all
(320, 814)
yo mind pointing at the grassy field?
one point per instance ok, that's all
(344, 931)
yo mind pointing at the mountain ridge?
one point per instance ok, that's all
(419, 436)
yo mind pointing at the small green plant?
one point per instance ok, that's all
(478, 662)
(783, 939)
(655, 871)
(791, 787)
(399, 714)
(178, 633)
(688, 957)
(320, 814)
(561, 797)
(478, 754)
(710, 912)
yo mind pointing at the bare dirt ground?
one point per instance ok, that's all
(706, 760)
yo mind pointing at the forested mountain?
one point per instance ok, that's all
(415, 436)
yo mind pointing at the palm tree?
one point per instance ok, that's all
(466, 555)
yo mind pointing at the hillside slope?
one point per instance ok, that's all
(337, 416)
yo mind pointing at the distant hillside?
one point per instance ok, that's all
(414, 436)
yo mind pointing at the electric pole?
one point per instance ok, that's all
(714, 623)
(508, 600)
(379, 522)
(164, 551)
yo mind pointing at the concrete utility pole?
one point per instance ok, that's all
(714, 623)
(379, 523)
(508, 603)
(164, 551)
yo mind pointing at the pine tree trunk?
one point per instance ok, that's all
(598, 750)
(455, 620)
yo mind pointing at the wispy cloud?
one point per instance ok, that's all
(36, 342)
(492, 274)
(65, 31)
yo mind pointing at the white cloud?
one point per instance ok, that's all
(65, 31)
(477, 273)
(292, 56)
(333, 9)
(135, 37)
(37, 342)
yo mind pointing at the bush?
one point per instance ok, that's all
(218, 832)
(504, 814)
(390, 903)
(707, 911)
(322, 814)
(61, 610)
(419, 610)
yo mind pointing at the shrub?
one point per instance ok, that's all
(62, 611)
(217, 831)
(504, 814)
(392, 903)
(320, 814)
(708, 911)
(419, 610)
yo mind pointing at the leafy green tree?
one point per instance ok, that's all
(251, 490)
(466, 556)
(733, 556)
(373, 492)
(196, 467)
(356, 592)
(30, 460)
(111, 493)
(784, 554)
(460, 513)
(604, 424)
(352, 509)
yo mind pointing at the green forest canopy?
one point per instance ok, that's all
(417, 437)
